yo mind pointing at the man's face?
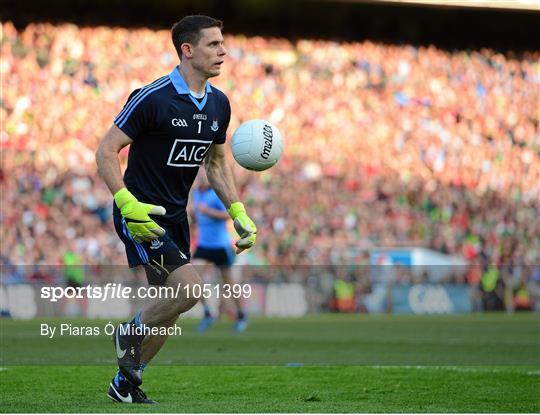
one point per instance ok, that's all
(209, 52)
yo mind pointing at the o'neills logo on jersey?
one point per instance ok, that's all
(268, 136)
(188, 153)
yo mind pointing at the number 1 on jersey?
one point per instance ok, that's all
(200, 123)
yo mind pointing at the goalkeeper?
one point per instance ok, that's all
(172, 125)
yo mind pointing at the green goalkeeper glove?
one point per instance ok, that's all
(244, 226)
(141, 227)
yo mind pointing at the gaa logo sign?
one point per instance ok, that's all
(179, 122)
(188, 153)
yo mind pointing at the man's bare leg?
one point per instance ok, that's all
(153, 343)
(227, 279)
(159, 313)
(241, 321)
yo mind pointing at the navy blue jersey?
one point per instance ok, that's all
(172, 132)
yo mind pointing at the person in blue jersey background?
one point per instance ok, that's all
(214, 245)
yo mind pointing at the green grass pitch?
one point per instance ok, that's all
(320, 363)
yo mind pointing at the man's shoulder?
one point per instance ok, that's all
(144, 100)
(156, 89)
(219, 94)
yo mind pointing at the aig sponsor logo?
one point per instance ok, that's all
(179, 122)
(188, 153)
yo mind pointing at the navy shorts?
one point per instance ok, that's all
(221, 257)
(160, 256)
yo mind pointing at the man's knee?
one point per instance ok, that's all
(188, 284)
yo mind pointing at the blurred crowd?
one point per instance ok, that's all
(385, 145)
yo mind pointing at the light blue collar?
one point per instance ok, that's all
(180, 83)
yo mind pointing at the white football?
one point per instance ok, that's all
(257, 145)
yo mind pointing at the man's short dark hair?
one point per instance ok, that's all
(188, 30)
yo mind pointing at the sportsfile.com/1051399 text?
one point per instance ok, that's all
(117, 290)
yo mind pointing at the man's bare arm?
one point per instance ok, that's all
(107, 158)
(141, 227)
(220, 175)
(221, 179)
